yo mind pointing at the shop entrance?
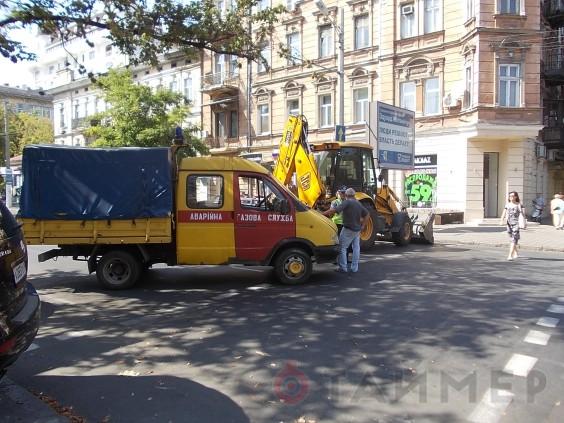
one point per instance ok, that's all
(491, 180)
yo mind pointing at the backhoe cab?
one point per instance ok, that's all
(321, 168)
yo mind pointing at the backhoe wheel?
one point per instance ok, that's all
(368, 235)
(403, 236)
(293, 266)
(118, 270)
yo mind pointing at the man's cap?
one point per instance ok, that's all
(350, 192)
(342, 189)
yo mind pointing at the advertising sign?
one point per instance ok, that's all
(395, 136)
(420, 184)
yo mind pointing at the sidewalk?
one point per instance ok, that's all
(489, 232)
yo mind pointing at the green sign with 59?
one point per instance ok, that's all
(420, 189)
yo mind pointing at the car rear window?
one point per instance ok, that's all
(8, 224)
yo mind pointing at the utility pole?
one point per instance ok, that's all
(8, 175)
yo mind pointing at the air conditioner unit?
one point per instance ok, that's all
(450, 101)
(407, 9)
(540, 151)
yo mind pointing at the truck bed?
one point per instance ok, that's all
(154, 230)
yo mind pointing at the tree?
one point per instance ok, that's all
(142, 29)
(138, 116)
(25, 129)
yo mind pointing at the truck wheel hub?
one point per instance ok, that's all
(295, 267)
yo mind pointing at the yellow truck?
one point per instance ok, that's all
(318, 169)
(123, 210)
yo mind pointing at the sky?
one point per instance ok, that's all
(19, 74)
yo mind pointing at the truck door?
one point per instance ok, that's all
(260, 222)
(204, 231)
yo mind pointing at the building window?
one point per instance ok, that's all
(266, 55)
(188, 93)
(509, 6)
(173, 85)
(51, 69)
(263, 4)
(76, 109)
(293, 107)
(62, 117)
(220, 125)
(326, 41)
(467, 99)
(432, 97)
(432, 16)
(204, 191)
(469, 9)
(291, 4)
(263, 119)
(325, 111)
(108, 50)
(233, 65)
(509, 86)
(219, 66)
(361, 32)
(407, 20)
(407, 95)
(233, 124)
(293, 45)
(360, 105)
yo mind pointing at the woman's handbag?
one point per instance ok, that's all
(522, 220)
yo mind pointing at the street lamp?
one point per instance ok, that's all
(8, 174)
(340, 56)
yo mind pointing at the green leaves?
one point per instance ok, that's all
(138, 116)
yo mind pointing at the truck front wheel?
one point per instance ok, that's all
(293, 266)
(118, 270)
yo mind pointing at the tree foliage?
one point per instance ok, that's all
(25, 129)
(137, 116)
(142, 29)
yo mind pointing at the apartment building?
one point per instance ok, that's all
(75, 98)
(552, 67)
(469, 69)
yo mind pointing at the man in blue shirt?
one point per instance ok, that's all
(354, 216)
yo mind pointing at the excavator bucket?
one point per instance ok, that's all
(422, 223)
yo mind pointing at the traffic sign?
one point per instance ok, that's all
(340, 133)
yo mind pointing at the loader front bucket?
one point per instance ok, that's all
(423, 228)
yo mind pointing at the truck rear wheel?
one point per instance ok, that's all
(293, 266)
(368, 235)
(403, 236)
(118, 270)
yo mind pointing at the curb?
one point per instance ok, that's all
(19, 405)
(499, 245)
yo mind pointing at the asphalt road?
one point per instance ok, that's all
(423, 334)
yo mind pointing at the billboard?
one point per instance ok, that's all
(392, 130)
(420, 184)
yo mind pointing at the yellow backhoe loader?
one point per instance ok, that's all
(315, 172)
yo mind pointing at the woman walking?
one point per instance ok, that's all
(513, 209)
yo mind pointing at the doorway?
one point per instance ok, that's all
(491, 180)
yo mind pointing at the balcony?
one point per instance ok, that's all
(226, 82)
(553, 66)
(221, 142)
(553, 11)
(78, 123)
(553, 137)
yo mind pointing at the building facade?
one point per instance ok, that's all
(469, 69)
(76, 98)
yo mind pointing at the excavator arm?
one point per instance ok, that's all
(295, 157)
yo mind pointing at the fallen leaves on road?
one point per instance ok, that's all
(62, 410)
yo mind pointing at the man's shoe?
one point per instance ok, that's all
(341, 271)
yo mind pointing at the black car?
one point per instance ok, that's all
(19, 303)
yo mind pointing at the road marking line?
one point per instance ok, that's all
(492, 406)
(549, 322)
(556, 309)
(537, 337)
(520, 365)
(77, 334)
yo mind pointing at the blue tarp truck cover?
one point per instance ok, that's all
(93, 183)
